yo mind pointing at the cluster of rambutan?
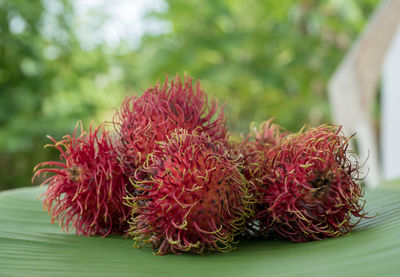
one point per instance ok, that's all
(168, 176)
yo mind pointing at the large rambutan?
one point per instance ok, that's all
(309, 187)
(195, 198)
(87, 185)
(144, 121)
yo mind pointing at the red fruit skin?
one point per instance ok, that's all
(256, 149)
(309, 188)
(87, 185)
(142, 122)
(195, 200)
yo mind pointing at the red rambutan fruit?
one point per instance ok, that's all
(144, 121)
(195, 199)
(256, 149)
(256, 146)
(87, 187)
(309, 186)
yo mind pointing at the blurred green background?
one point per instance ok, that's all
(61, 61)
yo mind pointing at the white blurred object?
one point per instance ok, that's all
(390, 133)
(353, 86)
(116, 21)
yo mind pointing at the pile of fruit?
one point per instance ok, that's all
(166, 173)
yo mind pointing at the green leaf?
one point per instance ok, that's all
(31, 246)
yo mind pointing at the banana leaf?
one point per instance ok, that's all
(31, 246)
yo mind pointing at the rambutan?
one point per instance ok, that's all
(310, 188)
(256, 149)
(87, 187)
(144, 121)
(195, 199)
(256, 146)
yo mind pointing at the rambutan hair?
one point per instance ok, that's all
(310, 189)
(87, 185)
(144, 121)
(195, 199)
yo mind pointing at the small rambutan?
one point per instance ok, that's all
(195, 198)
(309, 187)
(256, 149)
(256, 146)
(87, 187)
(144, 121)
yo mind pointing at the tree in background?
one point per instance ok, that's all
(263, 58)
(47, 83)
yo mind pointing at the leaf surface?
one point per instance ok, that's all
(31, 246)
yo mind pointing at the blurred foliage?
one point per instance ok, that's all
(47, 83)
(261, 58)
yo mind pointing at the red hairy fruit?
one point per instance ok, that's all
(195, 199)
(87, 185)
(256, 148)
(310, 189)
(144, 121)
